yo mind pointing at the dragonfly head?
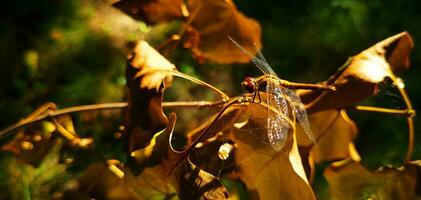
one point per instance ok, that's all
(249, 85)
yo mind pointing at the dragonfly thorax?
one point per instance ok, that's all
(249, 85)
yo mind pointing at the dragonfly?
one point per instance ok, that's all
(279, 97)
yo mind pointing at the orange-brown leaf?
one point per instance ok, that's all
(272, 174)
(334, 132)
(351, 180)
(215, 20)
(367, 69)
(146, 87)
(268, 173)
(198, 184)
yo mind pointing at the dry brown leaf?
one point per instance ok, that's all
(153, 11)
(146, 87)
(158, 172)
(267, 173)
(148, 61)
(367, 69)
(334, 132)
(159, 150)
(215, 20)
(351, 180)
(101, 182)
(153, 181)
(198, 184)
(271, 174)
(227, 120)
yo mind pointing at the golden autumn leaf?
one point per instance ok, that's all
(334, 132)
(150, 180)
(159, 150)
(215, 20)
(365, 70)
(153, 183)
(153, 11)
(198, 184)
(146, 87)
(102, 181)
(351, 180)
(267, 173)
(148, 61)
(271, 174)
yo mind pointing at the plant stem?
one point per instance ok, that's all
(198, 81)
(187, 151)
(409, 120)
(404, 112)
(106, 106)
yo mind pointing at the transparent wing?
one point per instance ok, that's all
(264, 62)
(258, 133)
(300, 112)
(260, 62)
(278, 127)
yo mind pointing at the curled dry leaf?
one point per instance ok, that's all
(153, 180)
(367, 69)
(334, 132)
(351, 180)
(153, 183)
(148, 61)
(198, 184)
(271, 174)
(146, 87)
(101, 182)
(267, 173)
(157, 180)
(193, 183)
(215, 20)
(159, 150)
(227, 120)
(153, 11)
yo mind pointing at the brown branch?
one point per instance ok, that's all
(409, 120)
(106, 106)
(409, 112)
(189, 78)
(404, 112)
(186, 152)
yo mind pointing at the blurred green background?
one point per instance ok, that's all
(72, 52)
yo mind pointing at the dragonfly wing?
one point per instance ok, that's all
(261, 62)
(278, 127)
(300, 112)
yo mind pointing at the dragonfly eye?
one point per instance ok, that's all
(249, 85)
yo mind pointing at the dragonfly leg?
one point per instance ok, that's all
(258, 95)
(254, 96)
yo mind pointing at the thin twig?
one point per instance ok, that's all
(409, 112)
(106, 106)
(72, 137)
(176, 38)
(187, 151)
(404, 112)
(193, 79)
(192, 104)
(409, 121)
